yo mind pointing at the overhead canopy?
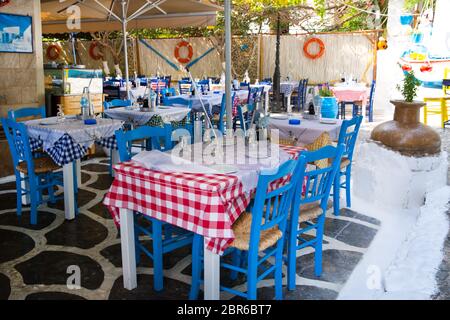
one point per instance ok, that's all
(95, 15)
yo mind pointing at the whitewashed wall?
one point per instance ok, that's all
(346, 52)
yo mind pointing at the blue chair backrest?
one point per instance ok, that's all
(19, 143)
(244, 86)
(27, 112)
(223, 107)
(271, 206)
(116, 103)
(314, 184)
(167, 92)
(245, 116)
(349, 134)
(203, 85)
(372, 93)
(254, 95)
(184, 86)
(153, 137)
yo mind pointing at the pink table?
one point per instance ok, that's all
(351, 93)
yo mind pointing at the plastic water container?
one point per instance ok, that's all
(329, 107)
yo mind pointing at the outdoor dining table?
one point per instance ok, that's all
(66, 142)
(204, 203)
(351, 93)
(209, 100)
(139, 117)
(307, 131)
(287, 88)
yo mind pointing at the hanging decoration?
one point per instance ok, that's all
(53, 52)
(315, 55)
(94, 52)
(382, 44)
(406, 67)
(185, 59)
(426, 67)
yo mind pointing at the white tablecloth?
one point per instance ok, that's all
(84, 135)
(248, 169)
(287, 87)
(208, 100)
(307, 131)
(137, 117)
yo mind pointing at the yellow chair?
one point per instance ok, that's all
(439, 105)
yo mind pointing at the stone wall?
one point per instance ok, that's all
(21, 75)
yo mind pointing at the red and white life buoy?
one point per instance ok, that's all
(94, 53)
(185, 59)
(53, 52)
(315, 55)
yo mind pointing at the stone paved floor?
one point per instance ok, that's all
(34, 259)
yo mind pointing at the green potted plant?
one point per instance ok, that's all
(328, 103)
(406, 133)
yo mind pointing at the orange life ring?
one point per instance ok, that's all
(53, 52)
(316, 55)
(190, 52)
(95, 55)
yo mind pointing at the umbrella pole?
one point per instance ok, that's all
(228, 102)
(125, 46)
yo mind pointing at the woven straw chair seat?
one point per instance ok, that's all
(41, 165)
(344, 162)
(242, 229)
(310, 211)
(322, 141)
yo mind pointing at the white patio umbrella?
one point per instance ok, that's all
(110, 15)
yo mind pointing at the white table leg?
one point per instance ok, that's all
(78, 171)
(267, 101)
(69, 191)
(128, 249)
(212, 275)
(25, 185)
(115, 158)
(288, 103)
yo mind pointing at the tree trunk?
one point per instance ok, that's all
(277, 74)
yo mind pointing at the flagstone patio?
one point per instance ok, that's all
(34, 260)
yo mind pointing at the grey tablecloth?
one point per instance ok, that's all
(307, 131)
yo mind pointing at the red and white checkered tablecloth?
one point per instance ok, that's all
(206, 204)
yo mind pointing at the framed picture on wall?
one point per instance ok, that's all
(16, 33)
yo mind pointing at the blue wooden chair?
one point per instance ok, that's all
(203, 86)
(347, 136)
(244, 86)
(310, 204)
(259, 235)
(34, 112)
(245, 112)
(369, 106)
(38, 173)
(184, 86)
(299, 97)
(174, 238)
(219, 118)
(27, 112)
(167, 92)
